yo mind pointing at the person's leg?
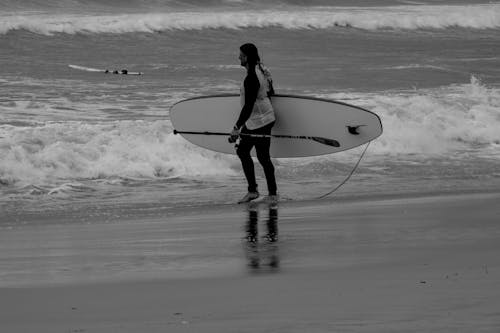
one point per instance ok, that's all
(262, 146)
(243, 151)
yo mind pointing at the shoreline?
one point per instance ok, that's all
(112, 211)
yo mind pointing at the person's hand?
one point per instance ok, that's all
(235, 133)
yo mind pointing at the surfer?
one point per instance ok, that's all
(123, 71)
(256, 117)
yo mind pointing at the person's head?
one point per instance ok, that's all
(249, 55)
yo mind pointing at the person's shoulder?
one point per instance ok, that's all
(251, 78)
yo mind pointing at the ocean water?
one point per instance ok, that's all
(71, 138)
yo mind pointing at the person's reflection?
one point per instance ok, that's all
(262, 255)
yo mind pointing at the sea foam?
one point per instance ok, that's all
(443, 122)
(438, 121)
(370, 18)
(77, 150)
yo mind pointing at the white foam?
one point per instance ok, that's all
(74, 150)
(485, 16)
(424, 123)
(435, 121)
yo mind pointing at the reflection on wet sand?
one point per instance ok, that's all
(262, 255)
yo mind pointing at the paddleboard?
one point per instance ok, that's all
(299, 120)
(106, 71)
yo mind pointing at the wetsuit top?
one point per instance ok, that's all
(257, 110)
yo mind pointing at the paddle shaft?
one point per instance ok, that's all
(325, 141)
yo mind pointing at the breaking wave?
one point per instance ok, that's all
(78, 150)
(370, 18)
(440, 121)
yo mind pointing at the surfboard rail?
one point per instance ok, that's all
(313, 98)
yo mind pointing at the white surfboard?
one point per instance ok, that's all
(208, 120)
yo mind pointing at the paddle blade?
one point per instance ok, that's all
(326, 141)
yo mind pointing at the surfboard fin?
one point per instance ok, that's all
(354, 130)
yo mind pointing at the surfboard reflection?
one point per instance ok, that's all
(262, 254)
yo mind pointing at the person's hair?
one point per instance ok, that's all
(250, 50)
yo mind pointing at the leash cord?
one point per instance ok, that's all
(349, 176)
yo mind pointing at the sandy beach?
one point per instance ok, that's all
(415, 264)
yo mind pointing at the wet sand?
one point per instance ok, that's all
(417, 264)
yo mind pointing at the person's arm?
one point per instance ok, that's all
(251, 86)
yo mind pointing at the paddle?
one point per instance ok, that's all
(325, 141)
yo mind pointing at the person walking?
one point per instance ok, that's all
(256, 117)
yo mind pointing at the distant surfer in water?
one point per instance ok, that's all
(256, 117)
(123, 71)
